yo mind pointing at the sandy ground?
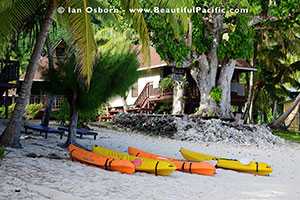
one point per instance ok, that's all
(43, 178)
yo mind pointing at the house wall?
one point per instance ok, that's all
(295, 123)
(146, 76)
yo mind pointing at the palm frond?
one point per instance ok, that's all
(109, 40)
(139, 24)
(82, 34)
(13, 17)
(103, 19)
(5, 4)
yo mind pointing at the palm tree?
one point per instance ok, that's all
(13, 14)
(12, 132)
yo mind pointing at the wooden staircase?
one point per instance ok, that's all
(149, 97)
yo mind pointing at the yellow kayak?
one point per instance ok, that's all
(157, 167)
(253, 167)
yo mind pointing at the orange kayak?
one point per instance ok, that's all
(203, 168)
(88, 157)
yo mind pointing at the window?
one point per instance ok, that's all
(134, 90)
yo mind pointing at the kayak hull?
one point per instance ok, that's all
(202, 168)
(153, 166)
(87, 157)
(253, 167)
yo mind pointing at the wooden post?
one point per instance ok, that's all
(251, 102)
(6, 104)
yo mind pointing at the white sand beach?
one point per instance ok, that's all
(44, 178)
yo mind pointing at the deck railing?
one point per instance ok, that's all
(143, 96)
(150, 92)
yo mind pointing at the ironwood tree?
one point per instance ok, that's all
(113, 74)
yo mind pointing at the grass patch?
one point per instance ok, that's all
(288, 135)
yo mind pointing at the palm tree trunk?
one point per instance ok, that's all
(278, 122)
(50, 98)
(292, 116)
(12, 133)
(47, 111)
(73, 121)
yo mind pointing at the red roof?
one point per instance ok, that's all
(41, 69)
(155, 59)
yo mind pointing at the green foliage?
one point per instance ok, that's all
(216, 94)
(166, 83)
(163, 108)
(241, 40)
(113, 74)
(277, 58)
(32, 110)
(2, 152)
(168, 41)
(201, 37)
(63, 114)
(10, 110)
(288, 135)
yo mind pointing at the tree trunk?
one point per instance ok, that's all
(292, 116)
(47, 111)
(275, 109)
(278, 122)
(178, 98)
(204, 72)
(12, 133)
(50, 98)
(225, 84)
(201, 73)
(73, 121)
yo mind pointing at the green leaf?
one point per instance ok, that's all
(82, 33)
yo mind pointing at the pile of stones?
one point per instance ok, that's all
(191, 128)
(162, 125)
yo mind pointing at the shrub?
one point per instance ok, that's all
(63, 114)
(32, 110)
(163, 107)
(216, 94)
(10, 110)
(166, 83)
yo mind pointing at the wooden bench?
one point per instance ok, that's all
(43, 129)
(80, 131)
